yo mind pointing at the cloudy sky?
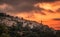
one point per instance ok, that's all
(36, 10)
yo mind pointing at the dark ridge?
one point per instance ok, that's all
(5, 15)
(2, 14)
(17, 28)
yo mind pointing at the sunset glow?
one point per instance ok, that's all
(50, 10)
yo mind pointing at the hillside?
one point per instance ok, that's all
(18, 27)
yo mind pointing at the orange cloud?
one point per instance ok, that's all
(49, 6)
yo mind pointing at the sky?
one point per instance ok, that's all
(35, 10)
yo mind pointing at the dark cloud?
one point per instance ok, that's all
(18, 5)
(23, 5)
(58, 19)
(58, 10)
(22, 8)
(49, 0)
(51, 11)
(2, 11)
(14, 2)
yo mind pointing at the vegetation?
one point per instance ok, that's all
(17, 30)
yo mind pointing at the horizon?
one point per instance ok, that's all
(35, 10)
